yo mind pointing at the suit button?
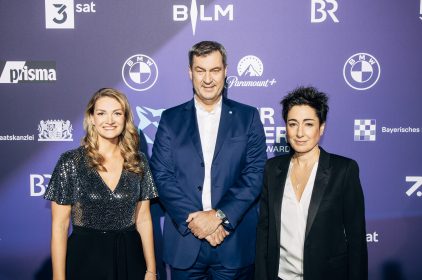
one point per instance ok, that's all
(202, 164)
(200, 188)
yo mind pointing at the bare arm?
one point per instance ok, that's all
(59, 232)
(144, 227)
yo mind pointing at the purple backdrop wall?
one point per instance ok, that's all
(366, 55)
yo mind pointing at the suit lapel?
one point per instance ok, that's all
(193, 131)
(321, 181)
(278, 186)
(226, 121)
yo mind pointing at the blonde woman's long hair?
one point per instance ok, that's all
(128, 139)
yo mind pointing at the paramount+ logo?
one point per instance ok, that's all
(13, 72)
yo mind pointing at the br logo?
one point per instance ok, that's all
(140, 72)
(361, 71)
(148, 122)
(320, 10)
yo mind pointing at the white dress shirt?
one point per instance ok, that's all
(208, 123)
(294, 214)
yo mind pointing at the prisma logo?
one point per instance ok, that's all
(38, 184)
(13, 72)
(183, 12)
(414, 188)
(321, 10)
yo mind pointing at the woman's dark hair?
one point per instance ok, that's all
(306, 96)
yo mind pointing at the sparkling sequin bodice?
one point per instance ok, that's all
(94, 205)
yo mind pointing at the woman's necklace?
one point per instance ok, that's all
(300, 175)
(304, 176)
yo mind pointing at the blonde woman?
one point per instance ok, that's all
(104, 188)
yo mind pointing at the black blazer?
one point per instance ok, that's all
(335, 239)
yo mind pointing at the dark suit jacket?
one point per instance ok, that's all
(335, 239)
(236, 180)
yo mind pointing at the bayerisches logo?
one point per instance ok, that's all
(365, 130)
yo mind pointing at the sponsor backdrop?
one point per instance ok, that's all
(366, 55)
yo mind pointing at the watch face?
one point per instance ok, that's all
(220, 214)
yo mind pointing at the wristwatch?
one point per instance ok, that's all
(220, 214)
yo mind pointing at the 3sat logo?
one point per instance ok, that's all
(60, 14)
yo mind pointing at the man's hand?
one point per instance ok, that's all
(217, 237)
(203, 223)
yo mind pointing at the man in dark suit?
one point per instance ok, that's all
(312, 217)
(208, 159)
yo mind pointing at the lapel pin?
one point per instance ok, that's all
(230, 112)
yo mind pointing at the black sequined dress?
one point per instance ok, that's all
(104, 243)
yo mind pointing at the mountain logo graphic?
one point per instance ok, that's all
(250, 66)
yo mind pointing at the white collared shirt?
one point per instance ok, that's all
(208, 123)
(294, 215)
